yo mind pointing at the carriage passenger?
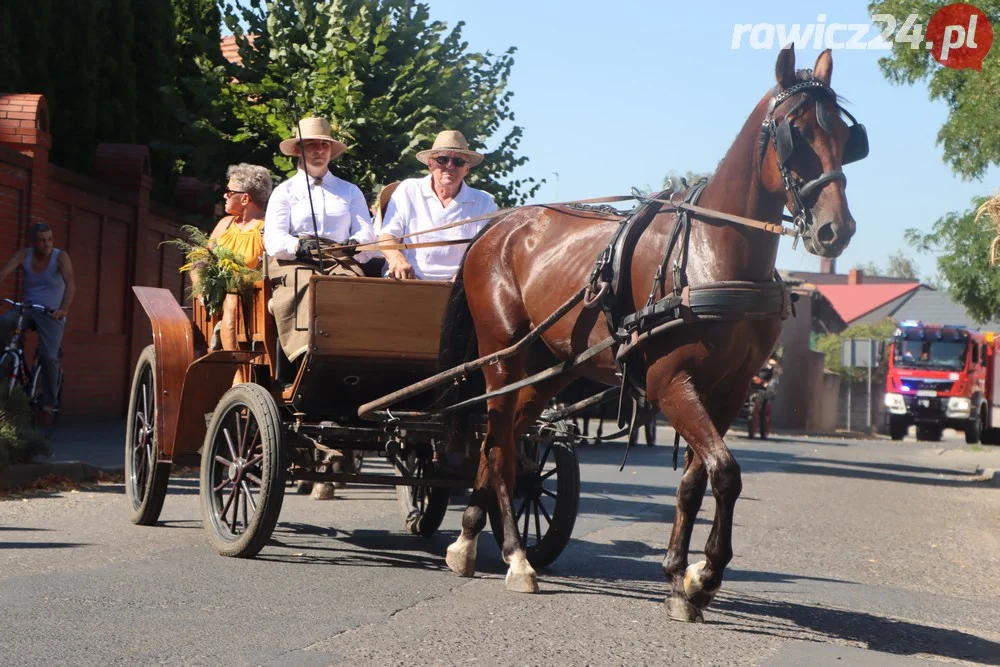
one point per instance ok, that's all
(246, 195)
(341, 218)
(440, 198)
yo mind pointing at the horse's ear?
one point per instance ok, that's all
(784, 70)
(824, 67)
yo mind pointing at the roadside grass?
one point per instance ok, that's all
(19, 442)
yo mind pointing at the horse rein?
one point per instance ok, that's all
(675, 205)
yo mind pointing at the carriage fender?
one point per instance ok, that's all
(173, 342)
(206, 380)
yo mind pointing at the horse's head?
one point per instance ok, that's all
(804, 141)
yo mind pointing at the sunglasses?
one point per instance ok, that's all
(229, 192)
(443, 160)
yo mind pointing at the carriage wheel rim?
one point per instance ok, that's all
(143, 455)
(534, 490)
(237, 472)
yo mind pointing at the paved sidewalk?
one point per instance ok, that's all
(100, 444)
(81, 452)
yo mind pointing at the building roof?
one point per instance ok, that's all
(817, 278)
(934, 307)
(854, 301)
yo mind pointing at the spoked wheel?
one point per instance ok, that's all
(146, 477)
(46, 426)
(242, 472)
(7, 378)
(422, 507)
(546, 498)
(765, 420)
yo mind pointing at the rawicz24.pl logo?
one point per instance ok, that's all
(958, 35)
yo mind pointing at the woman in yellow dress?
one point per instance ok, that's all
(241, 231)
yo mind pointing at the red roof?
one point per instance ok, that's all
(853, 301)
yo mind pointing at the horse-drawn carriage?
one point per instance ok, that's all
(368, 337)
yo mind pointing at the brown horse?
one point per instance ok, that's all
(531, 261)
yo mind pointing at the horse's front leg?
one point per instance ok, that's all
(694, 586)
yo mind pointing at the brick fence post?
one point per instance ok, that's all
(24, 127)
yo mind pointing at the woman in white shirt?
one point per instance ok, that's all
(341, 217)
(440, 198)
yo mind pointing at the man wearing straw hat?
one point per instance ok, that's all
(312, 203)
(440, 198)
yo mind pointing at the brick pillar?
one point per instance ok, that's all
(24, 127)
(126, 166)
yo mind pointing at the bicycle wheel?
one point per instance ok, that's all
(8, 377)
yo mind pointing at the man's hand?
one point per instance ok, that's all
(349, 247)
(306, 248)
(59, 314)
(399, 268)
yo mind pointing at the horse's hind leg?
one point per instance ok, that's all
(694, 586)
(497, 469)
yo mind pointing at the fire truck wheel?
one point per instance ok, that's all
(898, 429)
(974, 429)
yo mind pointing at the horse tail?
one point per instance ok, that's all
(460, 344)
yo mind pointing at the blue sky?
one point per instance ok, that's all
(615, 95)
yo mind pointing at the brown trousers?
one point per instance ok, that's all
(290, 306)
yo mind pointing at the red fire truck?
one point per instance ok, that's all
(942, 376)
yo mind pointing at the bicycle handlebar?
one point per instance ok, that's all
(33, 306)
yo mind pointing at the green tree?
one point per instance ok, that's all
(898, 265)
(387, 78)
(830, 346)
(970, 136)
(962, 247)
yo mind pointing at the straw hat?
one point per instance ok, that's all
(451, 141)
(313, 128)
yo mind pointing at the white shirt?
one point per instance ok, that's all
(414, 207)
(341, 214)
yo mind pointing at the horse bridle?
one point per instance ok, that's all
(781, 135)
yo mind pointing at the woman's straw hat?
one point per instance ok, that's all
(312, 128)
(451, 141)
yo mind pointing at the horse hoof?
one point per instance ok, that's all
(323, 491)
(522, 582)
(459, 563)
(303, 488)
(680, 609)
(694, 586)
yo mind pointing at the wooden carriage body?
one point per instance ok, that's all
(368, 337)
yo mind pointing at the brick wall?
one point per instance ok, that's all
(112, 236)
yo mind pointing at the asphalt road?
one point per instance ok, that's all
(846, 553)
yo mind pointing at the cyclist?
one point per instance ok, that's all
(48, 281)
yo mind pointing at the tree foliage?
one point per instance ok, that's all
(830, 346)
(386, 76)
(962, 247)
(970, 136)
(897, 265)
(111, 71)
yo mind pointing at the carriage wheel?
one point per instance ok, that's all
(146, 477)
(546, 499)
(765, 420)
(422, 507)
(242, 472)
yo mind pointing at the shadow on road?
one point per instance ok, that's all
(820, 624)
(41, 545)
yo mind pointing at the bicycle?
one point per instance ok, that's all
(16, 371)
